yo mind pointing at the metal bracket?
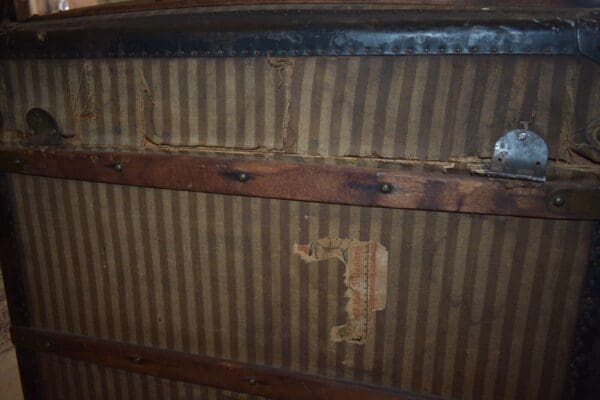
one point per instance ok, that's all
(520, 154)
(588, 36)
(43, 127)
(303, 32)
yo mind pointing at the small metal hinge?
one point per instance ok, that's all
(43, 128)
(520, 154)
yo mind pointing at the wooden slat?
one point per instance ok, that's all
(146, 5)
(311, 182)
(237, 377)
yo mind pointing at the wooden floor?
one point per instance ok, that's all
(10, 384)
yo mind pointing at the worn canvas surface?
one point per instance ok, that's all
(420, 107)
(476, 306)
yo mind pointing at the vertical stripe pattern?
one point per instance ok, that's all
(476, 305)
(418, 107)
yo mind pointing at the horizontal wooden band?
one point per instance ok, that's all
(202, 370)
(142, 5)
(313, 182)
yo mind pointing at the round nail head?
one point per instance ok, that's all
(558, 200)
(385, 188)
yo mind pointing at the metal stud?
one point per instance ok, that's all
(242, 177)
(137, 359)
(252, 381)
(18, 162)
(558, 200)
(118, 167)
(385, 188)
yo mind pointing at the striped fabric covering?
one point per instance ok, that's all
(64, 379)
(477, 306)
(420, 107)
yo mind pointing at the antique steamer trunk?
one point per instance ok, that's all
(303, 201)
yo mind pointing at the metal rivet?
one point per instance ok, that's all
(47, 344)
(558, 200)
(18, 162)
(385, 188)
(137, 359)
(118, 167)
(243, 177)
(252, 381)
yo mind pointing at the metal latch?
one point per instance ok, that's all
(520, 154)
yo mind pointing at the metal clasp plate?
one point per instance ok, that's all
(520, 154)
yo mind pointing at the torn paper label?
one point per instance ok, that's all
(365, 278)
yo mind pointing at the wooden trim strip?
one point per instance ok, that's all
(312, 182)
(14, 287)
(202, 370)
(146, 5)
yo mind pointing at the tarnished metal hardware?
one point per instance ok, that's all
(303, 32)
(137, 359)
(520, 154)
(586, 201)
(385, 188)
(118, 167)
(588, 36)
(243, 177)
(558, 200)
(43, 127)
